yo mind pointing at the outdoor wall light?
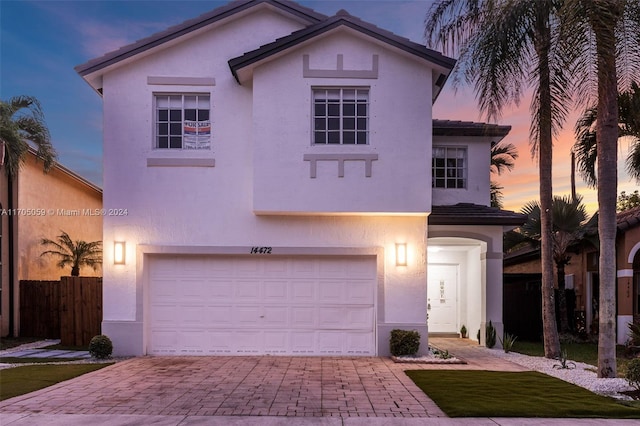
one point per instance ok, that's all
(119, 253)
(401, 254)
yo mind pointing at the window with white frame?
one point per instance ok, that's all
(449, 167)
(182, 121)
(341, 116)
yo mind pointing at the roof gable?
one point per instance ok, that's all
(342, 19)
(303, 14)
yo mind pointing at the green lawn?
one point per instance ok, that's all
(580, 352)
(20, 380)
(509, 394)
(12, 342)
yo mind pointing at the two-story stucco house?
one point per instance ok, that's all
(284, 189)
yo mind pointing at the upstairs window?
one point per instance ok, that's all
(449, 167)
(341, 116)
(182, 122)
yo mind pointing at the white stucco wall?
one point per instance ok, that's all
(214, 206)
(399, 132)
(478, 162)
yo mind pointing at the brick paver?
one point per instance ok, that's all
(242, 386)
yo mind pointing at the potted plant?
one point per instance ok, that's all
(463, 331)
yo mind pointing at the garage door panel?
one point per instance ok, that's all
(193, 341)
(303, 317)
(220, 316)
(331, 291)
(247, 316)
(358, 343)
(220, 290)
(257, 305)
(164, 291)
(359, 292)
(360, 318)
(276, 291)
(247, 268)
(249, 342)
(248, 290)
(303, 291)
(303, 342)
(276, 316)
(330, 342)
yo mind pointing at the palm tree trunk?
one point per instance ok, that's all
(562, 299)
(604, 17)
(550, 330)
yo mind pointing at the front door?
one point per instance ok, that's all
(442, 298)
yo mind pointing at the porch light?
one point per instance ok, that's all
(119, 253)
(401, 254)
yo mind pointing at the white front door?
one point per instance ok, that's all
(442, 298)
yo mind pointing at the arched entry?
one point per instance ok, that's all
(456, 284)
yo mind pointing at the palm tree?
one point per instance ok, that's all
(629, 125)
(606, 38)
(506, 46)
(21, 124)
(569, 218)
(74, 253)
(503, 157)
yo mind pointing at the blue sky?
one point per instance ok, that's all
(41, 41)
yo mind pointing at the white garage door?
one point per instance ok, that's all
(226, 305)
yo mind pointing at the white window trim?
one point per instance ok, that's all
(154, 121)
(465, 167)
(341, 131)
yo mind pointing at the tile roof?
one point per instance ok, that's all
(217, 14)
(342, 18)
(468, 128)
(474, 214)
(628, 219)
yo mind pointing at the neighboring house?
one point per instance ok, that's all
(43, 204)
(581, 274)
(274, 164)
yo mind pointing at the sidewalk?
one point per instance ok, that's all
(129, 420)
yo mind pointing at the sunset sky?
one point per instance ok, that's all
(41, 42)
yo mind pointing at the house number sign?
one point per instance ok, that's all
(260, 250)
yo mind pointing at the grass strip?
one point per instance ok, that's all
(21, 380)
(514, 394)
(24, 360)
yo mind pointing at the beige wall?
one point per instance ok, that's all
(64, 201)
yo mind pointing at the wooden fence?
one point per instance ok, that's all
(69, 309)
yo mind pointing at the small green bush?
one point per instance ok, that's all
(100, 347)
(508, 341)
(491, 335)
(463, 331)
(404, 342)
(633, 373)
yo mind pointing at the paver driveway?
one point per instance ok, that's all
(273, 386)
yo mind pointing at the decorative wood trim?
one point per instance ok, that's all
(340, 72)
(340, 158)
(181, 81)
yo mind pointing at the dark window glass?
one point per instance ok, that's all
(175, 115)
(190, 114)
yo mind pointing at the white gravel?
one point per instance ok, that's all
(583, 375)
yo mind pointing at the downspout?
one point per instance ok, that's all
(11, 260)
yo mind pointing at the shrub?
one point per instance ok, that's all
(633, 373)
(491, 335)
(100, 347)
(508, 341)
(463, 331)
(634, 331)
(565, 364)
(404, 342)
